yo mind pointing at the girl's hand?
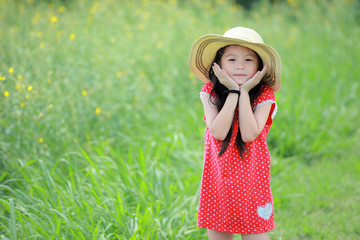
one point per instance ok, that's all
(252, 82)
(224, 78)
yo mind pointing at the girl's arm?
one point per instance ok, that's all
(219, 123)
(252, 123)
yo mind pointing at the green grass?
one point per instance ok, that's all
(101, 130)
(323, 198)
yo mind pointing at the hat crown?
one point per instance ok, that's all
(243, 33)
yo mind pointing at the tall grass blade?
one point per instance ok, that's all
(12, 220)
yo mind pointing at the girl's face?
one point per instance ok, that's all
(240, 63)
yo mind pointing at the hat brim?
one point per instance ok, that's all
(204, 49)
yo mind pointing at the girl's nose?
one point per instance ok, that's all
(240, 66)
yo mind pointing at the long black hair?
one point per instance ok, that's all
(220, 99)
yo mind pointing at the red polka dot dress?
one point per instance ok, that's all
(235, 193)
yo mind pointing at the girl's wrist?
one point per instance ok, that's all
(244, 90)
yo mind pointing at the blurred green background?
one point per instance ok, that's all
(102, 125)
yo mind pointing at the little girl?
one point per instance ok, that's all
(241, 75)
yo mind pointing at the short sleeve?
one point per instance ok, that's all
(206, 89)
(267, 96)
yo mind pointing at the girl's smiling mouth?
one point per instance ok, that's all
(240, 75)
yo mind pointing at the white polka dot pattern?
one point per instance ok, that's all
(235, 193)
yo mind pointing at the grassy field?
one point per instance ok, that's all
(101, 130)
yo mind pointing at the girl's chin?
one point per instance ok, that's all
(240, 82)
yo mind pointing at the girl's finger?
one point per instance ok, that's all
(265, 69)
(260, 74)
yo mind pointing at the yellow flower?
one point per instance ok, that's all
(42, 45)
(41, 140)
(191, 75)
(94, 7)
(142, 74)
(11, 70)
(19, 77)
(72, 36)
(62, 9)
(138, 11)
(147, 57)
(293, 3)
(6, 94)
(54, 19)
(118, 74)
(146, 15)
(39, 34)
(129, 35)
(159, 45)
(141, 26)
(2, 78)
(97, 111)
(35, 19)
(29, 88)
(84, 92)
(22, 104)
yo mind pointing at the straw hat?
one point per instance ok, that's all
(204, 49)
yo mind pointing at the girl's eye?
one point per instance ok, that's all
(248, 60)
(231, 60)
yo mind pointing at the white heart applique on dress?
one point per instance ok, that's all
(265, 211)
